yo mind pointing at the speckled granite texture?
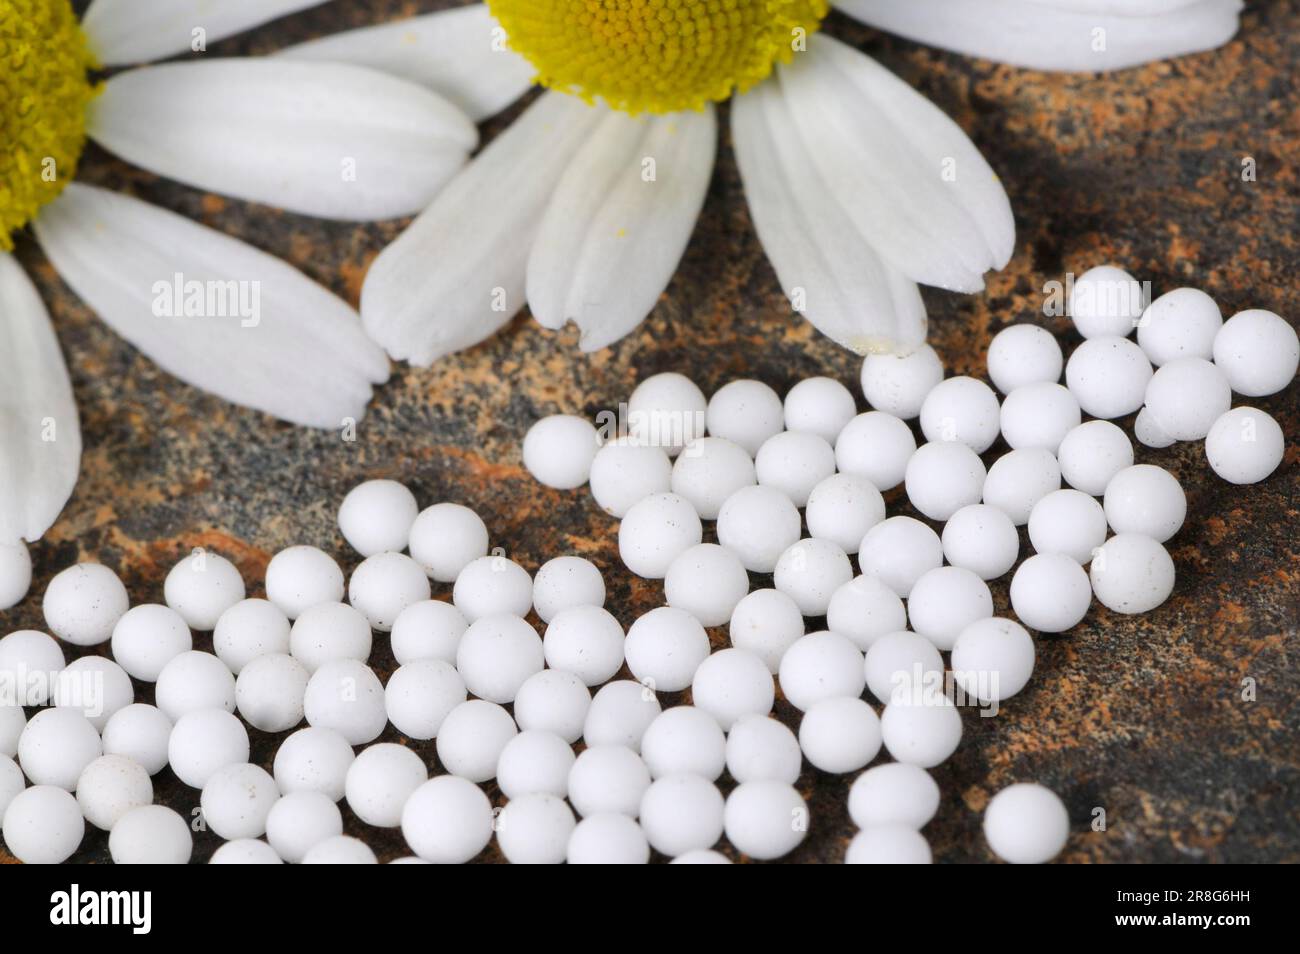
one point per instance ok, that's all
(1140, 716)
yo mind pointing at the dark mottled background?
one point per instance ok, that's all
(1141, 716)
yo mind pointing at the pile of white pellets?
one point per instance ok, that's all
(504, 702)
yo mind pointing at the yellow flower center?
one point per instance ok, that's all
(44, 89)
(656, 56)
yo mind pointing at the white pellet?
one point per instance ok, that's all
(1187, 396)
(766, 623)
(731, 684)
(1258, 351)
(794, 462)
(944, 477)
(707, 581)
(37, 654)
(300, 821)
(147, 637)
(746, 412)
(535, 829)
(1024, 354)
(655, 531)
(43, 825)
(893, 794)
(329, 631)
(586, 641)
(1106, 301)
(471, 738)
(964, 410)
(888, 845)
(492, 585)
(684, 740)
(558, 451)
(553, 701)
(429, 629)
(760, 748)
(840, 735)
(625, 472)
(380, 780)
(810, 572)
(386, 583)
(497, 654)
(111, 786)
(1069, 522)
(608, 779)
(1108, 376)
(1026, 824)
(876, 446)
(981, 539)
(191, 681)
(150, 835)
(664, 648)
(765, 820)
(83, 603)
(945, 601)
(682, 813)
(313, 760)
(842, 508)
(341, 850)
(820, 406)
(1050, 592)
(993, 659)
(376, 517)
(708, 471)
(1092, 453)
(420, 695)
(864, 609)
(1179, 324)
(1245, 445)
(1132, 573)
(897, 551)
(446, 538)
(203, 741)
(534, 762)
(608, 839)
(245, 851)
(140, 732)
(1039, 416)
(447, 820)
(347, 696)
(249, 629)
(1149, 432)
(922, 732)
(270, 690)
(300, 577)
(565, 582)
(898, 383)
(619, 714)
(237, 799)
(1145, 499)
(95, 686)
(666, 410)
(758, 524)
(1018, 480)
(821, 666)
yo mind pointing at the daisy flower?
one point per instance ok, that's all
(858, 187)
(324, 139)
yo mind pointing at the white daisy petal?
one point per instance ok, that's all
(459, 53)
(619, 222)
(1064, 35)
(285, 345)
(456, 275)
(40, 440)
(827, 268)
(122, 32)
(326, 139)
(906, 174)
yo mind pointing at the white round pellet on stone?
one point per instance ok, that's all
(703, 857)
(682, 813)
(380, 780)
(923, 732)
(1039, 416)
(447, 820)
(842, 508)
(313, 760)
(901, 664)
(981, 539)
(490, 586)
(708, 471)
(944, 477)
(876, 446)
(565, 582)
(151, 835)
(945, 601)
(15, 573)
(655, 531)
(608, 839)
(1069, 522)
(1179, 324)
(619, 714)
(746, 413)
(1186, 397)
(888, 845)
(553, 701)
(760, 748)
(1050, 592)
(420, 695)
(446, 538)
(820, 406)
(328, 632)
(534, 762)
(471, 738)
(340, 850)
(810, 572)
(1145, 499)
(252, 628)
(12, 723)
(1132, 573)
(733, 683)
(821, 666)
(300, 577)
(666, 410)
(993, 659)
(497, 654)
(1258, 351)
(757, 524)
(237, 799)
(893, 794)
(1108, 376)
(898, 383)
(33, 661)
(707, 581)
(194, 680)
(1106, 301)
(95, 686)
(840, 735)
(558, 451)
(897, 551)
(429, 629)
(794, 462)
(43, 825)
(1244, 446)
(765, 820)
(147, 637)
(1026, 824)
(608, 779)
(766, 623)
(1024, 354)
(1149, 432)
(203, 741)
(376, 517)
(347, 696)
(11, 782)
(141, 733)
(961, 409)
(56, 746)
(83, 603)
(111, 786)
(684, 740)
(387, 583)
(864, 609)
(201, 587)
(270, 690)
(664, 648)
(586, 641)
(1018, 480)
(535, 829)
(625, 472)
(1092, 453)
(300, 821)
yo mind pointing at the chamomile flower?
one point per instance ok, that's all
(859, 188)
(333, 140)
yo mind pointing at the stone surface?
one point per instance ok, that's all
(1142, 717)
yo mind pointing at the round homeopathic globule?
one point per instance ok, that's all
(1245, 445)
(245, 851)
(1108, 376)
(270, 690)
(945, 601)
(553, 701)
(961, 409)
(625, 472)
(446, 538)
(313, 760)
(471, 738)
(421, 694)
(664, 647)
(1039, 416)
(1069, 522)
(15, 573)
(111, 786)
(898, 550)
(810, 572)
(900, 665)
(56, 746)
(346, 695)
(95, 686)
(380, 780)
(386, 583)
(877, 446)
(194, 680)
(708, 471)
(534, 762)
(888, 845)
(1026, 824)
(1018, 480)
(922, 732)
(608, 839)
(376, 516)
(1132, 573)
(684, 740)
(794, 462)
(1179, 324)
(429, 629)
(83, 603)
(1145, 499)
(327, 632)
(1050, 592)
(492, 585)
(864, 609)
(1092, 453)
(820, 406)
(733, 683)
(35, 653)
(300, 577)
(842, 508)
(766, 623)
(141, 733)
(981, 539)
(1022, 355)
(151, 835)
(681, 813)
(760, 748)
(619, 714)
(608, 779)
(201, 587)
(447, 820)
(666, 410)
(655, 531)
(558, 451)
(340, 850)
(840, 735)
(535, 829)
(893, 794)
(757, 524)
(1106, 300)
(1258, 351)
(821, 666)
(1186, 396)
(249, 629)
(707, 581)
(203, 741)
(237, 799)
(1149, 432)
(300, 821)
(765, 819)
(992, 659)
(586, 641)
(497, 654)
(43, 825)
(898, 383)
(565, 582)
(745, 412)
(943, 477)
